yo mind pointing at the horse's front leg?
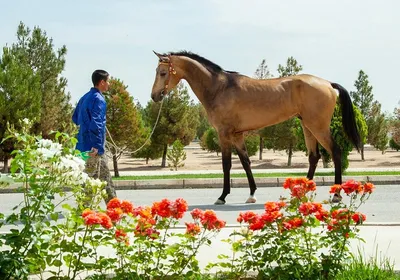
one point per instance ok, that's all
(245, 160)
(226, 150)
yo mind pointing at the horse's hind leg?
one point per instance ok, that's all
(245, 160)
(313, 151)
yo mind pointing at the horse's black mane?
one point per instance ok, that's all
(211, 66)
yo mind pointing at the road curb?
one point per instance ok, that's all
(203, 183)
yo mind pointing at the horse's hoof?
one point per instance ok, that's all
(219, 202)
(251, 199)
(336, 198)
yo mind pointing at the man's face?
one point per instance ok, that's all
(103, 86)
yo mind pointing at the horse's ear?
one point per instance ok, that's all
(160, 56)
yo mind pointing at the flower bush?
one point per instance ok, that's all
(298, 238)
(60, 229)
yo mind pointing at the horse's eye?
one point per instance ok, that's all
(162, 74)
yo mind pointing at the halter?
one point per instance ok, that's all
(171, 71)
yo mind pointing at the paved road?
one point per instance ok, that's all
(382, 207)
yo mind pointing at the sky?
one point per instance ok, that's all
(330, 39)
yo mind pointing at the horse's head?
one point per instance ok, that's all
(166, 78)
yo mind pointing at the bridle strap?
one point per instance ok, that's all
(171, 71)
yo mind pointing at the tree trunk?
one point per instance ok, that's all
(5, 164)
(261, 147)
(362, 152)
(115, 163)
(147, 160)
(290, 154)
(164, 156)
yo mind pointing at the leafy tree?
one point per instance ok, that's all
(363, 98)
(378, 128)
(176, 156)
(252, 142)
(395, 126)
(210, 141)
(178, 120)
(20, 97)
(393, 145)
(263, 72)
(124, 122)
(35, 47)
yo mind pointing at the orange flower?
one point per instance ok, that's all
(358, 217)
(115, 214)
(308, 208)
(369, 188)
(105, 220)
(272, 206)
(197, 214)
(288, 184)
(336, 188)
(333, 225)
(127, 207)
(210, 220)
(114, 203)
(144, 212)
(192, 229)
(310, 185)
(87, 212)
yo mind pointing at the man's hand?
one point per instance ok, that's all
(93, 152)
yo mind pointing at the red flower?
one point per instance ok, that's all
(92, 219)
(351, 186)
(321, 215)
(144, 212)
(192, 229)
(197, 214)
(162, 208)
(336, 188)
(341, 214)
(115, 214)
(333, 225)
(358, 217)
(296, 222)
(87, 212)
(127, 207)
(298, 191)
(210, 220)
(310, 185)
(105, 220)
(308, 208)
(247, 217)
(114, 203)
(121, 235)
(178, 208)
(288, 184)
(270, 217)
(369, 188)
(257, 224)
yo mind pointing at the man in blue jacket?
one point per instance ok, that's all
(90, 116)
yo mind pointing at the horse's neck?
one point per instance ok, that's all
(198, 77)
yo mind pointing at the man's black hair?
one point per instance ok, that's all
(99, 75)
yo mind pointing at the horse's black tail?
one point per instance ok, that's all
(348, 118)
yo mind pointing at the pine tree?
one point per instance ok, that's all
(176, 156)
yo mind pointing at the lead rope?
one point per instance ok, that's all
(117, 149)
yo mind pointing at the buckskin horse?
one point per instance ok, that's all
(236, 103)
